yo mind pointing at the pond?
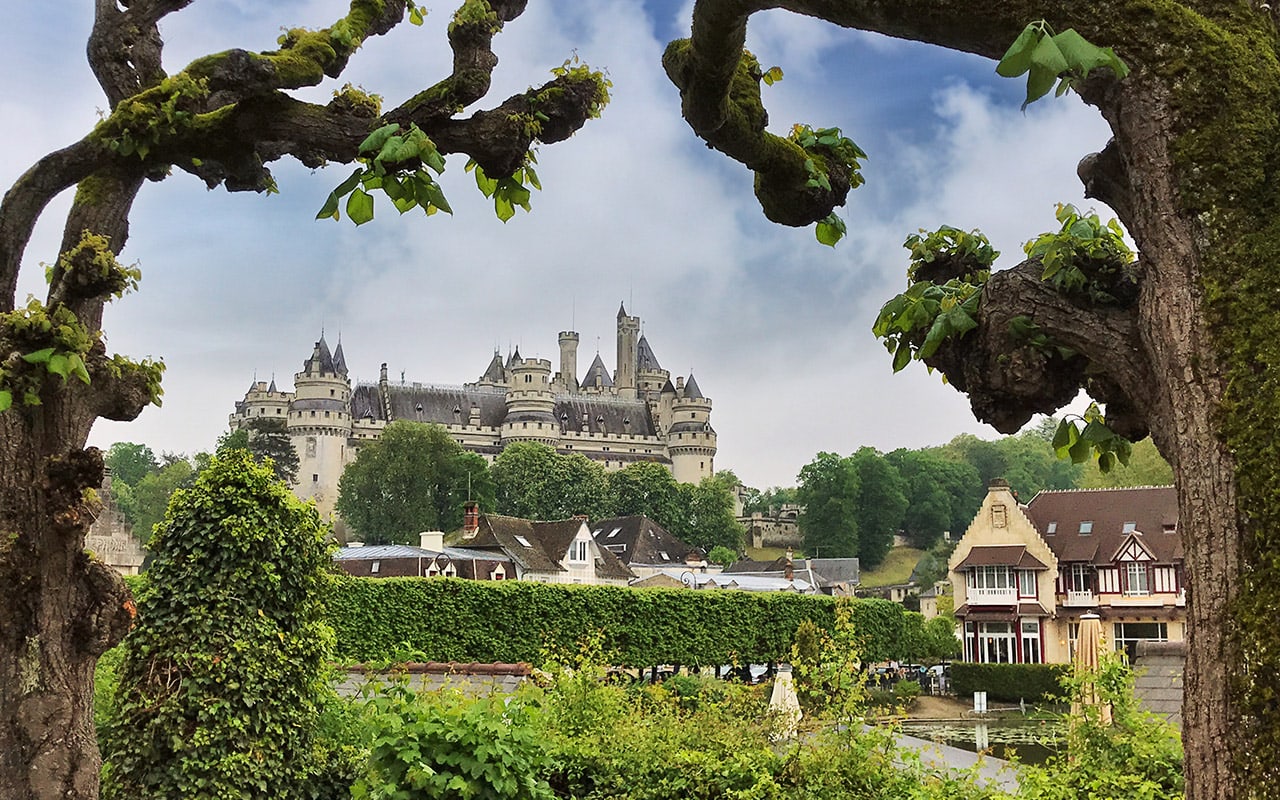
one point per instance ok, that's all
(1030, 741)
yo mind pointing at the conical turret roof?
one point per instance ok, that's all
(598, 371)
(321, 359)
(691, 390)
(494, 372)
(647, 360)
(340, 361)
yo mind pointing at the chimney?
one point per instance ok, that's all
(432, 540)
(470, 518)
(790, 573)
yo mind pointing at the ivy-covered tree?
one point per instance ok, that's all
(1176, 342)
(221, 677)
(223, 119)
(533, 481)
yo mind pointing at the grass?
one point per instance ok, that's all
(768, 553)
(896, 568)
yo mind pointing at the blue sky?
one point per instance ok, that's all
(634, 209)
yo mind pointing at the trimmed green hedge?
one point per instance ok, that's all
(1010, 682)
(511, 621)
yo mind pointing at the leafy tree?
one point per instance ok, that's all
(223, 119)
(828, 491)
(533, 481)
(646, 487)
(709, 520)
(881, 504)
(129, 462)
(265, 439)
(413, 478)
(1146, 467)
(722, 555)
(940, 642)
(148, 500)
(1177, 342)
(221, 678)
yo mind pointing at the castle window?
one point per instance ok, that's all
(277, 411)
(326, 415)
(315, 477)
(528, 379)
(331, 393)
(313, 413)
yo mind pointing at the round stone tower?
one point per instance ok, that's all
(320, 425)
(569, 361)
(691, 441)
(625, 379)
(530, 403)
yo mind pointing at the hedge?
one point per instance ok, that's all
(510, 621)
(1010, 682)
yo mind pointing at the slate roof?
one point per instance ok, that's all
(494, 372)
(448, 405)
(640, 540)
(645, 358)
(597, 370)
(1158, 672)
(339, 361)
(821, 572)
(544, 544)
(1152, 509)
(379, 552)
(321, 359)
(691, 390)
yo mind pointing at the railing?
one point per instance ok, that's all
(1077, 599)
(987, 597)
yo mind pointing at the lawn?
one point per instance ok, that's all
(896, 568)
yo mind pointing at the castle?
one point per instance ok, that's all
(635, 414)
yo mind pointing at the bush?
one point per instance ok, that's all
(1010, 682)
(453, 620)
(220, 682)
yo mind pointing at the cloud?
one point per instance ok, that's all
(634, 209)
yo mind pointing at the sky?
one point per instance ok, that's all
(634, 209)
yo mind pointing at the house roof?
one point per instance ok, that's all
(379, 552)
(640, 540)
(1001, 555)
(539, 546)
(1108, 517)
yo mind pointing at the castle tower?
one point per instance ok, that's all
(628, 354)
(530, 404)
(691, 441)
(320, 425)
(262, 401)
(568, 377)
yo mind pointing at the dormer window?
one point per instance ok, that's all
(579, 551)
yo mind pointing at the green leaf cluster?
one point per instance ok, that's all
(827, 149)
(1086, 436)
(575, 70)
(399, 163)
(44, 343)
(1065, 58)
(221, 681)
(1086, 257)
(508, 192)
(1009, 683)
(914, 324)
(450, 744)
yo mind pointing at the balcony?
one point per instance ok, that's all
(1080, 599)
(991, 597)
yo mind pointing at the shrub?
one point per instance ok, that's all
(447, 744)
(1010, 682)
(220, 681)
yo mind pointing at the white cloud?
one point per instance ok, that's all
(635, 209)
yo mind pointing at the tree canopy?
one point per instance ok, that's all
(533, 481)
(413, 478)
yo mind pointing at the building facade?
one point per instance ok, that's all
(635, 413)
(1024, 575)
